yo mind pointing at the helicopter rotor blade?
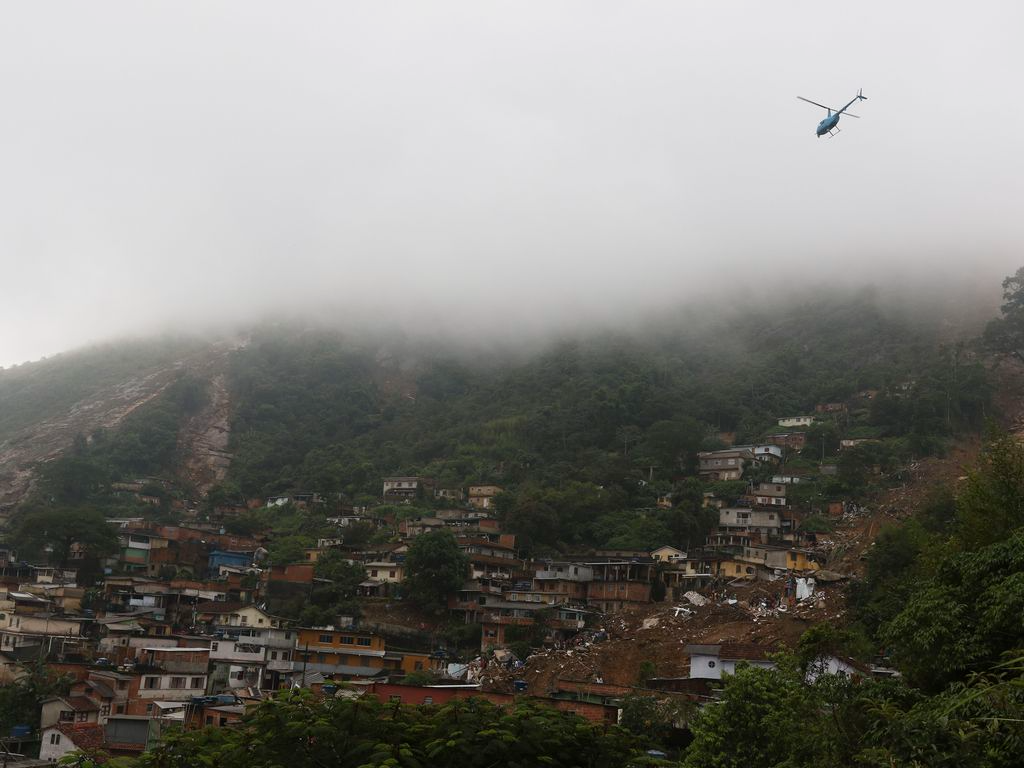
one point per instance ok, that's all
(830, 109)
(848, 114)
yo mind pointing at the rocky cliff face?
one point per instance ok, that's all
(203, 439)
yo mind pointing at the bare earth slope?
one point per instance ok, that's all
(203, 439)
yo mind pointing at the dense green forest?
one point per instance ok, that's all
(321, 411)
(584, 434)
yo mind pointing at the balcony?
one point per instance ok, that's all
(280, 666)
(563, 576)
(513, 621)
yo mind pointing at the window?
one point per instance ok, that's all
(326, 638)
(418, 666)
(122, 684)
(287, 635)
(104, 710)
(273, 655)
(149, 709)
(119, 709)
(373, 573)
(55, 738)
(209, 719)
(428, 699)
(347, 640)
(364, 641)
(711, 665)
(197, 682)
(214, 646)
(151, 682)
(82, 717)
(284, 655)
(67, 716)
(177, 682)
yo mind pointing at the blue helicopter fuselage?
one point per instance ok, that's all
(827, 124)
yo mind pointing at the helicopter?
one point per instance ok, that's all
(828, 125)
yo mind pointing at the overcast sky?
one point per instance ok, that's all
(490, 164)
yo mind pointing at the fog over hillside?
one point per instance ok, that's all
(500, 170)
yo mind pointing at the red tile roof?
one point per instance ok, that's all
(218, 606)
(89, 736)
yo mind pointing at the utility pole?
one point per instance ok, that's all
(305, 663)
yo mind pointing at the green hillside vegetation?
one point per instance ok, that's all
(584, 435)
(144, 445)
(582, 430)
(33, 392)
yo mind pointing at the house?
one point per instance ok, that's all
(667, 554)
(764, 452)
(504, 614)
(767, 522)
(232, 614)
(342, 653)
(770, 494)
(778, 558)
(796, 421)
(482, 496)
(838, 665)
(724, 465)
(130, 735)
(399, 489)
(391, 573)
(794, 441)
(448, 494)
(70, 710)
(711, 662)
(412, 528)
(167, 674)
(63, 738)
(618, 583)
(854, 442)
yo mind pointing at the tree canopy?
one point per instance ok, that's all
(435, 567)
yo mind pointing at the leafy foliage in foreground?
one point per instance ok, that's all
(775, 718)
(301, 732)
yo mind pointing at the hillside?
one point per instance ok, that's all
(311, 408)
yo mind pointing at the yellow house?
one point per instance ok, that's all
(344, 653)
(667, 554)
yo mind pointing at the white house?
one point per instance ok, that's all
(796, 421)
(710, 662)
(59, 740)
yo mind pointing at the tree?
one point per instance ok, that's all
(653, 716)
(289, 549)
(762, 720)
(435, 567)
(991, 504)
(964, 618)
(296, 730)
(58, 528)
(345, 576)
(20, 701)
(1006, 334)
